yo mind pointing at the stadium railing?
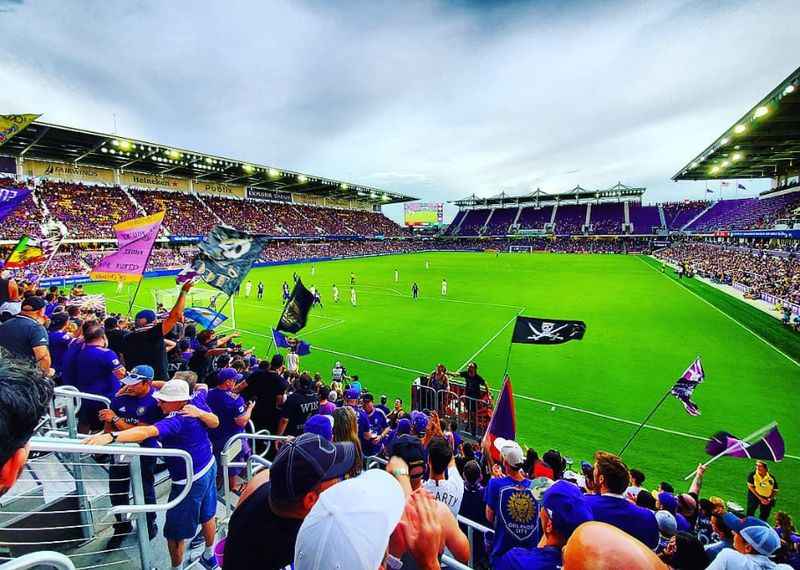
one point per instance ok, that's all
(79, 513)
(228, 460)
(43, 558)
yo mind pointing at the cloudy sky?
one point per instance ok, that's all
(435, 99)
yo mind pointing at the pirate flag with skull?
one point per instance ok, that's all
(226, 255)
(531, 330)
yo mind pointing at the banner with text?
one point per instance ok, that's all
(68, 172)
(263, 194)
(219, 189)
(136, 238)
(10, 125)
(154, 182)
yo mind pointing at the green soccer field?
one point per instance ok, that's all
(643, 329)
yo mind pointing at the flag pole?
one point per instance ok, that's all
(641, 425)
(739, 445)
(141, 277)
(43, 273)
(225, 304)
(508, 358)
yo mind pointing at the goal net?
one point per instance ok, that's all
(520, 249)
(200, 297)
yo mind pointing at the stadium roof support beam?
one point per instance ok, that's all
(92, 150)
(34, 141)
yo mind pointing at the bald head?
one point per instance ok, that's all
(600, 546)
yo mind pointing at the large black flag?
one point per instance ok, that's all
(295, 313)
(531, 330)
(225, 257)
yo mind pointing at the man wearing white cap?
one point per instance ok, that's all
(351, 523)
(511, 507)
(185, 427)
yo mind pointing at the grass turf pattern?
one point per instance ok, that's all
(644, 328)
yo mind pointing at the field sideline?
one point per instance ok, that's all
(643, 329)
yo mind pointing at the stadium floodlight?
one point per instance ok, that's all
(724, 141)
(302, 179)
(789, 89)
(740, 128)
(714, 169)
(115, 142)
(736, 156)
(173, 154)
(344, 186)
(761, 111)
(248, 168)
(104, 149)
(274, 173)
(725, 163)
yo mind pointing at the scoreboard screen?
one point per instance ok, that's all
(424, 214)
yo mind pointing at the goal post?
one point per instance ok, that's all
(520, 249)
(202, 297)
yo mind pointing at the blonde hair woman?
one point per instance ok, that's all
(345, 428)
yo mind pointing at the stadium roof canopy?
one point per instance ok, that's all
(764, 143)
(617, 192)
(45, 141)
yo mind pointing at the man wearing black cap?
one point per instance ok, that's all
(263, 528)
(145, 345)
(24, 334)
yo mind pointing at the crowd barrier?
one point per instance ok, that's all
(471, 415)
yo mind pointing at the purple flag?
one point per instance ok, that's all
(503, 423)
(686, 384)
(769, 447)
(11, 198)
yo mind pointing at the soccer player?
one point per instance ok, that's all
(317, 298)
(427, 264)
(286, 293)
(313, 270)
(248, 288)
(444, 287)
(260, 290)
(415, 290)
(396, 276)
(352, 278)
(335, 293)
(353, 296)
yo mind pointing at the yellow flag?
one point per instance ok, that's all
(12, 124)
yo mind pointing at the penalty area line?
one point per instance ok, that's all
(488, 342)
(618, 419)
(713, 306)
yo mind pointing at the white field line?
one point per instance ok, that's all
(322, 328)
(275, 310)
(396, 291)
(445, 300)
(370, 360)
(751, 331)
(488, 342)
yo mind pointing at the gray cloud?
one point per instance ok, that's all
(437, 99)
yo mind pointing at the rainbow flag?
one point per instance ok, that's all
(136, 238)
(27, 251)
(504, 420)
(10, 125)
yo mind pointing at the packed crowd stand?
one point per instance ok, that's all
(318, 505)
(90, 211)
(759, 271)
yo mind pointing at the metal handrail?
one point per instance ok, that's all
(73, 393)
(41, 558)
(75, 446)
(472, 524)
(453, 563)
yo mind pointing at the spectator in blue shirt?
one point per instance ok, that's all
(723, 532)
(378, 424)
(135, 407)
(511, 508)
(563, 510)
(185, 427)
(611, 478)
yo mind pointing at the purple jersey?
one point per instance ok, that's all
(95, 367)
(327, 409)
(228, 406)
(69, 370)
(139, 410)
(189, 434)
(59, 343)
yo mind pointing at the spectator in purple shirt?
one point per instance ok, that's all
(326, 407)
(185, 428)
(136, 406)
(233, 416)
(99, 373)
(563, 510)
(611, 478)
(59, 340)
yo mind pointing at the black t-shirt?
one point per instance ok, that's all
(263, 386)
(116, 341)
(22, 334)
(299, 406)
(472, 384)
(200, 363)
(257, 537)
(146, 346)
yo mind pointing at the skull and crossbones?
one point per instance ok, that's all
(547, 332)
